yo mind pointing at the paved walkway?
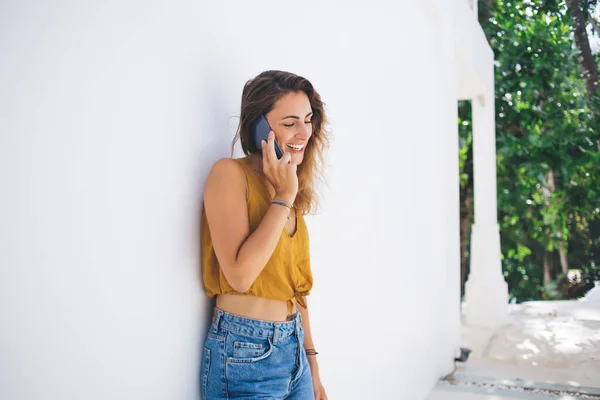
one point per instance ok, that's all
(549, 350)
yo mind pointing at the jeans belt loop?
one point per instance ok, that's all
(215, 325)
(298, 324)
(276, 333)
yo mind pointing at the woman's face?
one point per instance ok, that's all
(290, 119)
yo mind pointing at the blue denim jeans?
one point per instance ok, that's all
(245, 358)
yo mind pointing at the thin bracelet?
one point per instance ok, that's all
(282, 203)
(311, 352)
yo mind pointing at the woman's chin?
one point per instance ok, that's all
(297, 158)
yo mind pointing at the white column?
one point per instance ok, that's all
(486, 292)
(474, 7)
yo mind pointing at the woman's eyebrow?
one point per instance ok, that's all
(296, 117)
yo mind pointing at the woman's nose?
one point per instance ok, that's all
(305, 131)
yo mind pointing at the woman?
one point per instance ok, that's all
(255, 250)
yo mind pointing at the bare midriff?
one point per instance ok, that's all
(254, 307)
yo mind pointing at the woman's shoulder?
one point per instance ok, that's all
(225, 172)
(228, 168)
(227, 163)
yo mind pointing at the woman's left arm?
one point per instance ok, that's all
(312, 359)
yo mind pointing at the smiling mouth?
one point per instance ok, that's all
(297, 147)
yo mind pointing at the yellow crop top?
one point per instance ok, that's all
(287, 274)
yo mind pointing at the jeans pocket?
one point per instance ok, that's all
(249, 349)
(205, 371)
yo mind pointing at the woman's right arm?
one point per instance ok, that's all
(242, 256)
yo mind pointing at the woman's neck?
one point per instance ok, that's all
(255, 162)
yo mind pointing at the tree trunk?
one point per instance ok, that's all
(562, 251)
(466, 218)
(586, 60)
(465, 230)
(547, 268)
(564, 262)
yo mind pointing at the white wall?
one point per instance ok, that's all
(111, 114)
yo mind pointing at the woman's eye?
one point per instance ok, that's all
(292, 124)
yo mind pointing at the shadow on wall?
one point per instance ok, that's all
(216, 129)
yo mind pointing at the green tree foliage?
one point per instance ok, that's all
(548, 147)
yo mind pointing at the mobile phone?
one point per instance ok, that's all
(259, 130)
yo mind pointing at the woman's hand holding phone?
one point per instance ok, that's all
(280, 173)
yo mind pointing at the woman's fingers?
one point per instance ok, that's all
(281, 173)
(271, 147)
(287, 158)
(265, 156)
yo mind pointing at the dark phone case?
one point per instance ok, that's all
(259, 129)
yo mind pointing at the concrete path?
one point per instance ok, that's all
(549, 350)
